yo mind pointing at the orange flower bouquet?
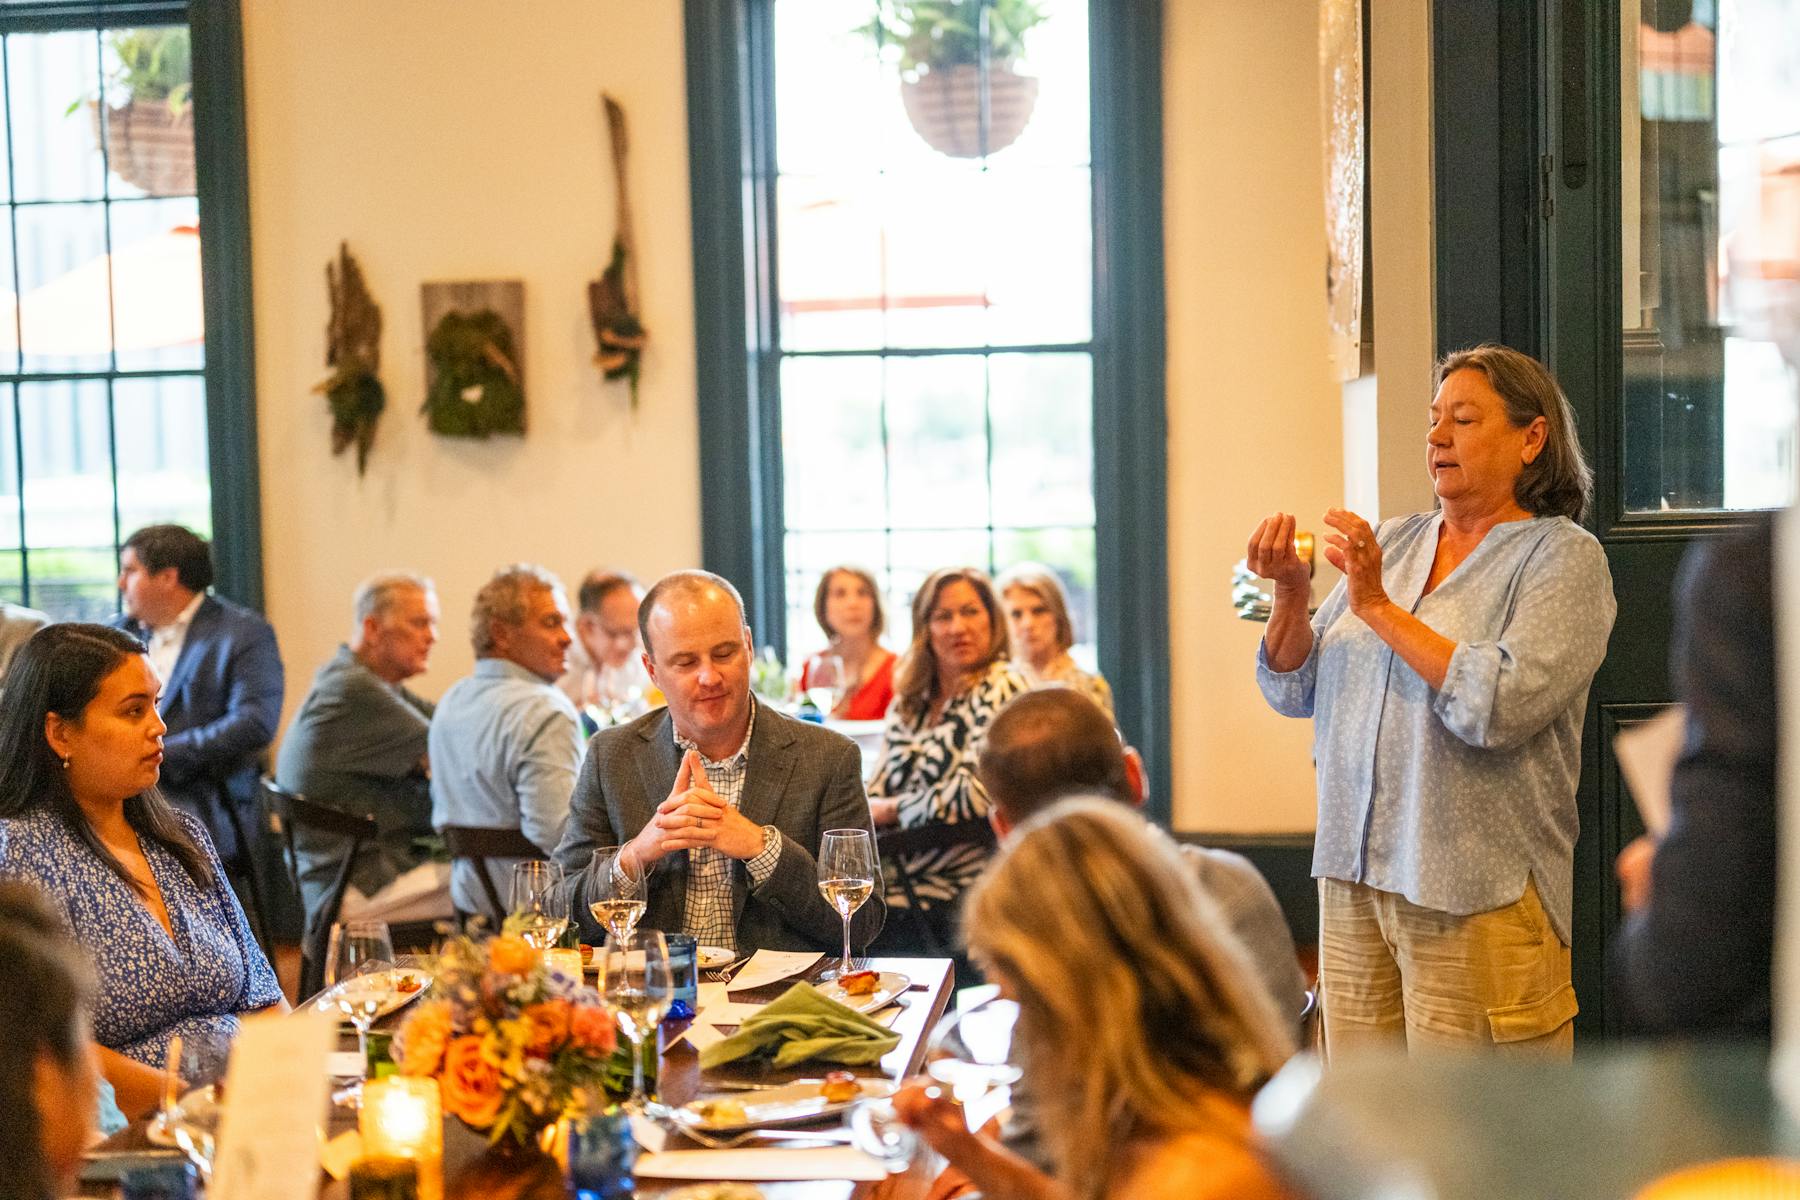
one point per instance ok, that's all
(512, 1043)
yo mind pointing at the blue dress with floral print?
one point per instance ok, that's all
(152, 985)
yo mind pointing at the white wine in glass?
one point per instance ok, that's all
(618, 909)
(825, 682)
(846, 880)
(620, 917)
(638, 987)
(540, 914)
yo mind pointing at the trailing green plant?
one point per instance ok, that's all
(475, 386)
(155, 63)
(934, 35)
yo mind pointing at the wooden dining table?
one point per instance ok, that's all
(471, 1170)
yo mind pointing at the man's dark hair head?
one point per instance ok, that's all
(1046, 745)
(160, 546)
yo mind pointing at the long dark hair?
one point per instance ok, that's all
(59, 670)
(48, 986)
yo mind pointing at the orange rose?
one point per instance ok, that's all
(592, 1028)
(420, 1047)
(471, 1083)
(511, 954)
(546, 1026)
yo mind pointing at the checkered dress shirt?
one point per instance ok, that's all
(708, 913)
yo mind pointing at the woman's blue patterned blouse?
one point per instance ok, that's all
(152, 986)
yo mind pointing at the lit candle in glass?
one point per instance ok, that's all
(402, 1117)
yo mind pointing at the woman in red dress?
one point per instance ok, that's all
(848, 607)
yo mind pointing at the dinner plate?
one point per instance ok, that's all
(889, 985)
(790, 1104)
(711, 958)
(395, 999)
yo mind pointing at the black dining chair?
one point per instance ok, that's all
(295, 811)
(475, 844)
(896, 846)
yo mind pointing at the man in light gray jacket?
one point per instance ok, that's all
(717, 803)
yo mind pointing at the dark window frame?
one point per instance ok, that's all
(730, 62)
(223, 194)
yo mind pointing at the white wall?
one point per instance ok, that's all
(453, 141)
(462, 141)
(1254, 417)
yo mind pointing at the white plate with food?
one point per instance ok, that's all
(787, 1104)
(397, 987)
(712, 958)
(865, 991)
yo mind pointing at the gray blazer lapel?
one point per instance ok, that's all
(771, 762)
(658, 761)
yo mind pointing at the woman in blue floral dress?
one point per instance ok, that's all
(138, 883)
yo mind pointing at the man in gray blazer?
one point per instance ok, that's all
(717, 803)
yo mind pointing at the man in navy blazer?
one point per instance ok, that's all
(221, 677)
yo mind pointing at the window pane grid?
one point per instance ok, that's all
(104, 375)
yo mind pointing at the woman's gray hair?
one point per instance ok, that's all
(378, 594)
(1041, 582)
(504, 599)
(1557, 483)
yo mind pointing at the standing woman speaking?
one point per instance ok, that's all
(1447, 675)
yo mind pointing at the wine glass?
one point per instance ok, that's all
(846, 879)
(618, 914)
(193, 1061)
(542, 914)
(638, 987)
(825, 681)
(971, 1055)
(357, 960)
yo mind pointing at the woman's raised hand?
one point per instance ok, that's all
(1354, 551)
(1272, 554)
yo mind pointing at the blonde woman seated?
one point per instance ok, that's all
(1142, 1031)
(1037, 617)
(952, 680)
(849, 610)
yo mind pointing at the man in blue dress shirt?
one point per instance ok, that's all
(504, 741)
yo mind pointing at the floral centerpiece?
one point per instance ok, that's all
(512, 1043)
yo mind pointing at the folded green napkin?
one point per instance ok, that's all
(804, 1024)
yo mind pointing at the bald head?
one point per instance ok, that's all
(1048, 744)
(689, 587)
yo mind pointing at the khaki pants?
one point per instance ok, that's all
(1389, 969)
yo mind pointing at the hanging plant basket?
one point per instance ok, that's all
(944, 106)
(151, 147)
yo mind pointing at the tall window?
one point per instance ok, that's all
(1710, 201)
(934, 290)
(103, 419)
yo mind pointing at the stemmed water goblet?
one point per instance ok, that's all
(357, 961)
(971, 1056)
(638, 987)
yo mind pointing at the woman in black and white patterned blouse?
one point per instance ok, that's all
(951, 681)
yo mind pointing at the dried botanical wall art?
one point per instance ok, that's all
(613, 298)
(474, 351)
(353, 390)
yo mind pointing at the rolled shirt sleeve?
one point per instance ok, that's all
(1500, 692)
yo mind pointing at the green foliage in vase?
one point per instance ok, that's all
(937, 34)
(475, 385)
(155, 63)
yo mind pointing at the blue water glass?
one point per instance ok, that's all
(601, 1154)
(684, 974)
(158, 1181)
